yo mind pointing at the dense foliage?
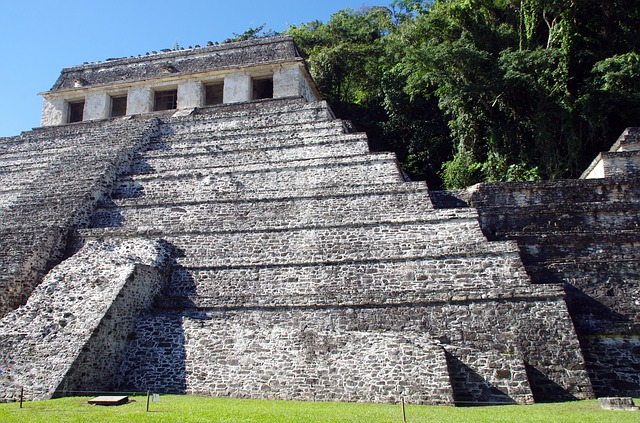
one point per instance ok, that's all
(482, 90)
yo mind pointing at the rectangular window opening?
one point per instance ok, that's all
(76, 111)
(213, 94)
(165, 100)
(119, 106)
(262, 88)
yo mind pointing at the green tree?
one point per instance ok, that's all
(466, 91)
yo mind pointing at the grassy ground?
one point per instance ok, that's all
(174, 408)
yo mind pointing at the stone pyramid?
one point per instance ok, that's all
(259, 250)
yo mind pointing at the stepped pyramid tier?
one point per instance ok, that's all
(208, 226)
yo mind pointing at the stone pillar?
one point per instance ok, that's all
(286, 82)
(190, 94)
(96, 106)
(53, 112)
(237, 88)
(139, 100)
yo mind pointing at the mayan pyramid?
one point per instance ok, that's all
(242, 241)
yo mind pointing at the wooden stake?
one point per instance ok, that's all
(148, 393)
(21, 396)
(404, 416)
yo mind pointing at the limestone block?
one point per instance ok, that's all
(139, 100)
(190, 94)
(237, 88)
(96, 106)
(53, 112)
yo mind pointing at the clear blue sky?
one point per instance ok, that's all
(40, 37)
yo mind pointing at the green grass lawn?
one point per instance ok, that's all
(176, 408)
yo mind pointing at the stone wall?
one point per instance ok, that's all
(280, 228)
(285, 355)
(304, 267)
(583, 234)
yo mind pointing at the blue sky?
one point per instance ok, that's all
(40, 37)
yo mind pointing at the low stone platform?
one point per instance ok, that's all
(617, 403)
(109, 400)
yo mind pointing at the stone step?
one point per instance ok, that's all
(285, 193)
(311, 112)
(275, 214)
(88, 135)
(577, 238)
(378, 282)
(259, 224)
(215, 144)
(38, 154)
(243, 180)
(18, 180)
(295, 134)
(505, 196)
(537, 221)
(206, 157)
(335, 245)
(226, 119)
(248, 109)
(573, 254)
(355, 297)
(324, 245)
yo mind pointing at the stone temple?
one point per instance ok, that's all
(198, 221)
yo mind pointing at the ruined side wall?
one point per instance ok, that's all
(51, 183)
(101, 356)
(583, 234)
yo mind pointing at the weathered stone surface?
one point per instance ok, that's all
(583, 234)
(283, 356)
(232, 55)
(51, 179)
(617, 403)
(72, 331)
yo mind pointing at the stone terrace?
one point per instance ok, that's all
(306, 268)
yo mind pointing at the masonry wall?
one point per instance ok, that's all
(261, 353)
(304, 267)
(283, 225)
(96, 365)
(583, 234)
